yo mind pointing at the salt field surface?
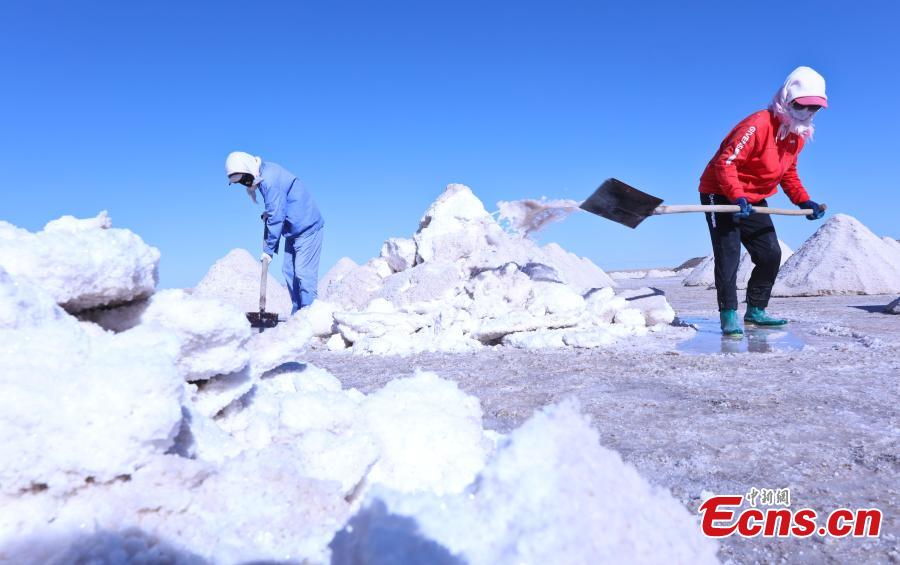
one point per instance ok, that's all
(822, 421)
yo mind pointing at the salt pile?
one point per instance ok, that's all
(841, 257)
(81, 263)
(555, 455)
(704, 273)
(170, 438)
(462, 282)
(648, 274)
(234, 279)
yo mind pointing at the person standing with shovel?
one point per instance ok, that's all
(757, 155)
(290, 212)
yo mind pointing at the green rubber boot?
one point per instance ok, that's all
(757, 316)
(728, 320)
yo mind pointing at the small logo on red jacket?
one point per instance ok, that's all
(741, 144)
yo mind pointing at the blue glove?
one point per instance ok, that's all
(746, 209)
(818, 211)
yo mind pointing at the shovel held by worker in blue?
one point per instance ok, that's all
(263, 319)
(626, 205)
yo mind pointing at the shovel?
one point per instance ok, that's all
(263, 319)
(624, 204)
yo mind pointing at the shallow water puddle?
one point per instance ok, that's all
(709, 339)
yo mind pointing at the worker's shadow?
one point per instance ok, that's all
(289, 367)
(374, 536)
(874, 309)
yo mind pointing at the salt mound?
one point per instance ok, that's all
(842, 257)
(462, 282)
(335, 274)
(704, 273)
(648, 274)
(81, 263)
(527, 507)
(234, 279)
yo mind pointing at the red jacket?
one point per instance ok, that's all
(751, 163)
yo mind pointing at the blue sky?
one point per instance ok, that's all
(132, 106)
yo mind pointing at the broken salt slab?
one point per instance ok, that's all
(212, 396)
(211, 334)
(841, 257)
(652, 305)
(24, 306)
(539, 339)
(530, 216)
(82, 406)
(380, 266)
(285, 343)
(400, 253)
(355, 288)
(234, 279)
(427, 282)
(516, 511)
(81, 264)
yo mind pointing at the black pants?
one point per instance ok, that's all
(757, 234)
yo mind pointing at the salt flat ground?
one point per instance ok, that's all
(823, 421)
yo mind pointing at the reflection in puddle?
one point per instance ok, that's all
(709, 339)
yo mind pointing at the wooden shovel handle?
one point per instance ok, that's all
(685, 208)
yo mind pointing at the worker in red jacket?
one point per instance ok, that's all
(759, 154)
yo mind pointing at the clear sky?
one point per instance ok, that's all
(132, 107)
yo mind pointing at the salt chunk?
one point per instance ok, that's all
(400, 253)
(81, 264)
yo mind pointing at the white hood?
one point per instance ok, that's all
(803, 81)
(240, 162)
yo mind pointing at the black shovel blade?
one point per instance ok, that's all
(262, 319)
(621, 203)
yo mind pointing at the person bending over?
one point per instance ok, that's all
(290, 212)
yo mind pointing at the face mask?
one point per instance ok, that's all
(245, 179)
(800, 115)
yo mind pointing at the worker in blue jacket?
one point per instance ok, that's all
(290, 212)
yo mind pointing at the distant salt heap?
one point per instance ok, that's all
(704, 273)
(131, 446)
(648, 274)
(842, 257)
(234, 279)
(462, 282)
